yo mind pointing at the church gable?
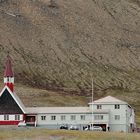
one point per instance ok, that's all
(8, 105)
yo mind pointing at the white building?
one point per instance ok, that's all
(110, 113)
(119, 115)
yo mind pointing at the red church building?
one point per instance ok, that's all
(12, 110)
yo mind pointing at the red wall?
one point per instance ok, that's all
(9, 122)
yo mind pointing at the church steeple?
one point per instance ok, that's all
(8, 74)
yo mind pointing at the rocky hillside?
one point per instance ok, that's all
(61, 47)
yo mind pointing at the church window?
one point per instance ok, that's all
(17, 117)
(6, 117)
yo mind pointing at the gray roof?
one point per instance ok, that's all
(63, 110)
(108, 100)
(57, 110)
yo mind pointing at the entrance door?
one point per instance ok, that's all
(30, 120)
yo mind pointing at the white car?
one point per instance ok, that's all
(21, 124)
(94, 128)
(73, 127)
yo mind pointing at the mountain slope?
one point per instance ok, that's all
(62, 47)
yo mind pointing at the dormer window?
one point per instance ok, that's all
(99, 106)
(117, 106)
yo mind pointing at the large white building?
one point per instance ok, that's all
(110, 113)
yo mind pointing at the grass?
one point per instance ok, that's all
(44, 134)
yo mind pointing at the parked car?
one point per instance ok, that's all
(74, 127)
(64, 127)
(21, 124)
(94, 128)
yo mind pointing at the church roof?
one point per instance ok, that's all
(8, 68)
(14, 103)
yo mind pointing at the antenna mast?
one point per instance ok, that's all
(92, 101)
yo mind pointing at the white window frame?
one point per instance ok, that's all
(17, 117)
(73, 117)
(98, 117)
(117, 117)
(117, 106)
(63, 118)
(53, 118)
(99, 106)
(6, 117)
(83, 117)
(43, 118)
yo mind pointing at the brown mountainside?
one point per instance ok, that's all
(62, 47)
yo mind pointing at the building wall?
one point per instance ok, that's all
(58, 119)
(116, 119)
(121, 124)
(80, 122)
(12, 117)
(10, 120)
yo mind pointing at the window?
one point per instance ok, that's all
(53, 117)
(6, 117)
(117, 106)
(73, 117)
(17, 117)
(63, 118)
(117, 117)
(99, 106)
(43, 118)
(7, 79)
(83, 117)
(98, 117)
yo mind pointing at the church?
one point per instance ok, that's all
(108, 112)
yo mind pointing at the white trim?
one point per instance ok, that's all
(12, 94)
(11, 80)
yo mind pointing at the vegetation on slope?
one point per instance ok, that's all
(61, 47)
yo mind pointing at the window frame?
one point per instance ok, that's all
(6, 117)
(63, 117)
(117, 117)
(53, 118)
(98, 117)
(17, 117)
(43, 118)
(117, 106)
(73, 117)
(83, 117)
(99, 106)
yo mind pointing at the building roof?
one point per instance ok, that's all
(108, 100)
(15, 97)
(51, 110)
(8, 68)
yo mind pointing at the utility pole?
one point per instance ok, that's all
(92, 101)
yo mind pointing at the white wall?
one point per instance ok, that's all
(59, 121)
(123, 124)
(11, 118)
(123, 112)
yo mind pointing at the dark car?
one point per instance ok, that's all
(64, 127)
